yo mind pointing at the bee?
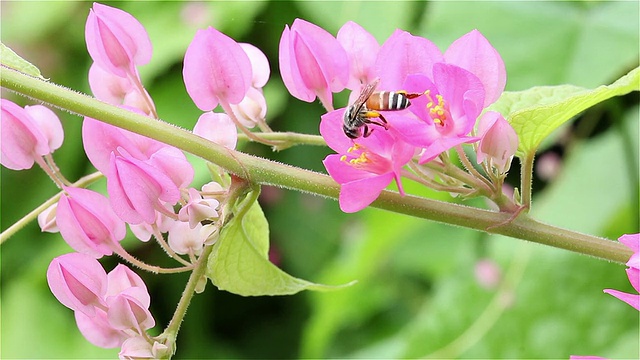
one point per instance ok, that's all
(359, 115)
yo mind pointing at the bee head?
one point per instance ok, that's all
(352, 133)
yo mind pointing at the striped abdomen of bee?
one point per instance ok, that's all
(388, 100)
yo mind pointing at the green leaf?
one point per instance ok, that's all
(239, 262)
(12, 60)
(537, 112)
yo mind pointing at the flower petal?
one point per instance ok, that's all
(357, 195)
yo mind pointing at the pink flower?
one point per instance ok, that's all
(126, 312)
(216, 69)
(362, 49)
(218, 128)
(27, 134)
(198, 209)
(632, 241)
(184, 239)
(365, 168)
(88, 224)
(252, 109)
(498, 141)
(139, 348)
(78, 281)
(259, 65)
(116, 41)
(312, 62)
(121, 279)
(137, 189)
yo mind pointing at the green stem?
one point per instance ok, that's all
(262, 171)
(526, 179)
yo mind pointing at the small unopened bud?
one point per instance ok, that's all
(498, 141)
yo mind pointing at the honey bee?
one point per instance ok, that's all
(359, 115)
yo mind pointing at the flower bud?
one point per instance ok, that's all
(498, 142)
(47, 219)
(218, 128)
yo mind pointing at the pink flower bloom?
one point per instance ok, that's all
(365, 168)
(117, 90)
(121, 279)
(25, 138)
(312, 62)
(362, 49)
(198, 209)
(218, 128)
(137, 189)
(632, 241)
(47, 219)
(449, 109)
(116, 41)
(498, 141)
(97, 330)
(216, 69)
(88, 224)
(78, 281)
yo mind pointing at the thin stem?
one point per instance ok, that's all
(257, 138)
(290, 138)
(261, 171)
(11, 230)
(471, 169)
(526, 178)
(167, 249)
(150, 268)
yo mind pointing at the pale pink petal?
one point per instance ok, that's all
(173, 163)
(21, 138)
(259, 65)
(362, 49)
(122, 278)
(632, 241)
(252, 109)
(218, 128)
(127, 313)
(97, 330)
(631, 299)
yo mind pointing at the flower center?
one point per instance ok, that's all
(438, 108)
(359, 157)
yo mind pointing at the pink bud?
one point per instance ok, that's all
(126, 312)
(48, 123)
(122, 278)
(78, 281)
(116, 41)
(362, 49)
(216, 69)
(198, 209)
(312, 62)
(97, 330)
(137, 188)
(47, 219)
(172, 162)
(117, 90)
(185, 240)
(498, 142)
(218, 128)
(22, 137)
(139, 348)
(252, 109)
(88, 224)
(259, 65)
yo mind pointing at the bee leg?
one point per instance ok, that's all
(409, 95)
(367, 131)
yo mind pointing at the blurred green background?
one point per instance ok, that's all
(417, 294)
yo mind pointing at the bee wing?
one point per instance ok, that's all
(366, 93)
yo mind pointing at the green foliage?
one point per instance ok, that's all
(240, 262)
(14, 61)
(537, 112)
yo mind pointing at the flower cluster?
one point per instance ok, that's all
(449, 90)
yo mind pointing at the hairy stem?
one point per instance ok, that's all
(262, 171)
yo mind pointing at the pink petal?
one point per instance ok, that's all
(362, 49)
(404, 54)
(47, 219)
(78, 281)
(631, 299)
(632, 241)
(173, 163)
(443, 144)
(474, 53)
(342, 172)
(357, 195)
(252, 109)
(122, 278)
(97, 330)
(136, 348)
(634, 278)
(127, 313)
(289, 70)
(331, 131)
(216, 69)
(48, 123)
